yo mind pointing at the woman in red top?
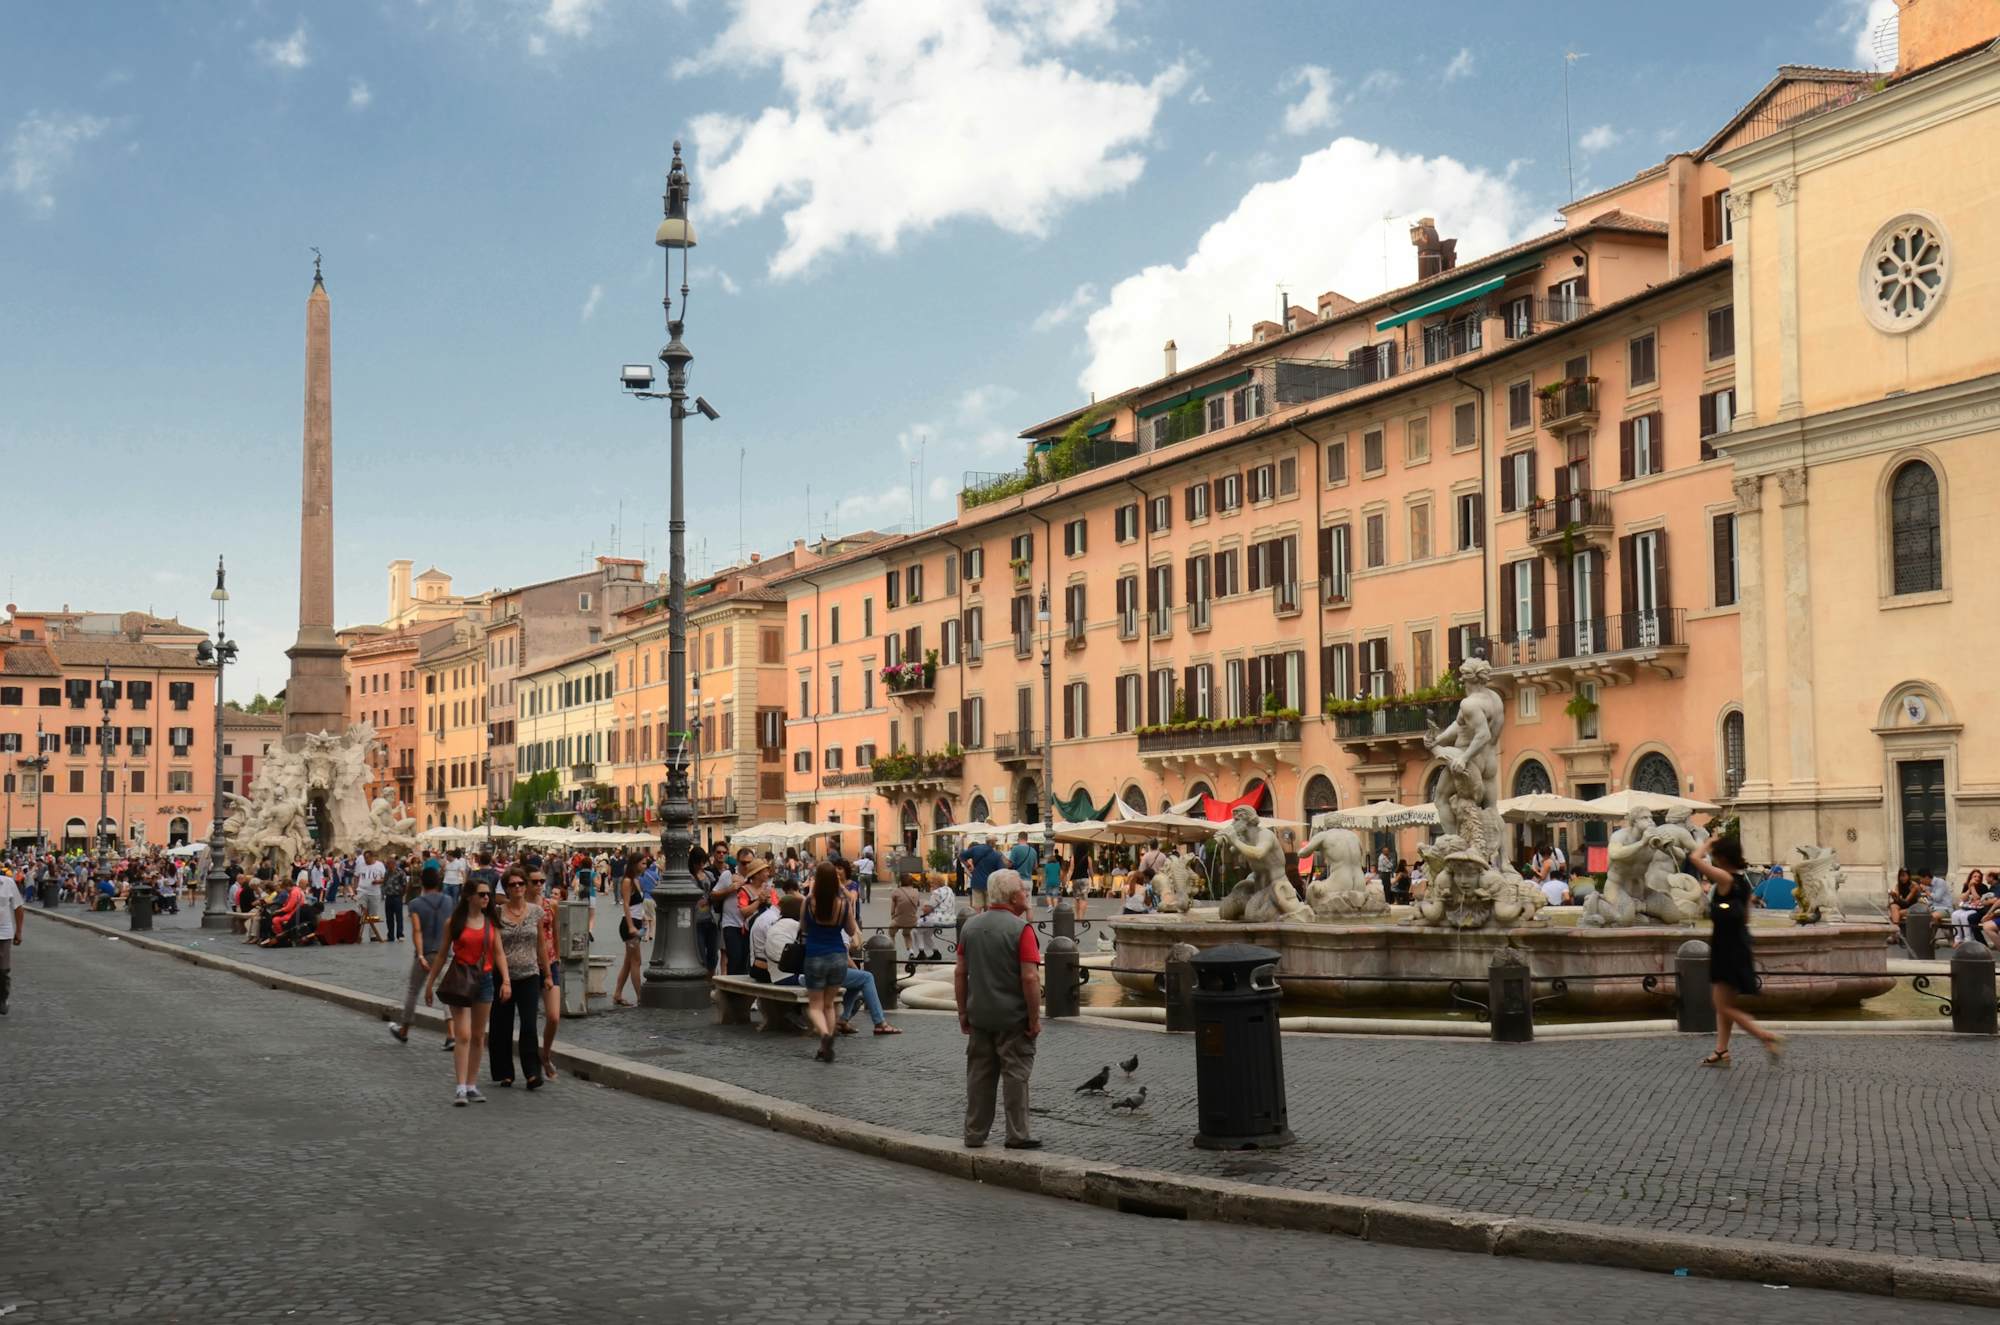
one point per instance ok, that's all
(469, 938)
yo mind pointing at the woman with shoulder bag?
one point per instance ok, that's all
(526, 961)
(472, 951)
(632, 930)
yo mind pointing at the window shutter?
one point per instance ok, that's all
(1535, 600)
(1597, 590)
(1509, 499)
(1562, 482)
(1188, 580)
(1662, 581)
(1528, 497)
(1326, 567)
(1628, 574)
(1707, 422)
(1722, 530)
(1659, 433)
(1625, 450)
(1711, 220)
(1124, 708)
(1345, 666)
(1566, 598)
(1187, 502)
(894, 588)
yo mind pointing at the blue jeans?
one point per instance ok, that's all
(860, 988)
(451, 891)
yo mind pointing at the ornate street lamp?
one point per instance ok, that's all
(107, 692)
(1048, 744)
(675, 976)
(215, 909)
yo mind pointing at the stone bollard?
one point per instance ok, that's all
(139, 906)
(1695, 995)
(1917, 937)
(1062, 920)
(1510, 1000)
(1060, 969)
(881, 950)
(1178, 985)
(1972, 994)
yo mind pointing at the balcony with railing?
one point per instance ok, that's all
(904, 770)
(1335, 589)
(1389, 723)
(1559, 523)
(1521, 318)
(1074, 636)
(1200, 614)
(1059, 460)
(1262, 739)
(1456, 338)
(1017, 748)
(1159, 622)
(1024, 643)
(585, 772)
(715, 807)
(1569, 403)
(911, 682)
(1128, 623)
(1282, 383)
(975, 652)
(1613, 650)
(1286, 599)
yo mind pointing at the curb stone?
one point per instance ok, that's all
(1151, 1192)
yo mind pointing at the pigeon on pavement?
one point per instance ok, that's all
(1096, 1083)
(1133, 1102)
(1130, 1065)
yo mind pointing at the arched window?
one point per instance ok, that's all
(1135, 799)
(910, 825)
(941, 815)
(1259, 792)
(1201, 789)
(1732, 753)
(1321, 797)
(1655, 772)
(978, 810)
(1914, 543)
(1532, 779)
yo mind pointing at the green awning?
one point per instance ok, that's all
(1452, 297)
(1198, 393)
(1099, 430)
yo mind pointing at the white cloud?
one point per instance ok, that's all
(1320, 228)
(571, 18)
(898, 117)
(1068, 310)
(591, 301)
(1862, 18)
(1315, 109)
(1199, 97)
(291, 53)
(1460, 66)
(978, 404)
(358, 95)
(726, 282)
(43, 148)
(1599, 138)
(1377, 81)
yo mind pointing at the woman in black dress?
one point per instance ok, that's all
(1732, 969)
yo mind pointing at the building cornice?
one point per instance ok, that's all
(1934, 415)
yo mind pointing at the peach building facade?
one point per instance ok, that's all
(451, 680)
(567, 717)
(383, 690)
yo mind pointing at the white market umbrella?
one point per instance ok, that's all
(1542, 806)
(972, 828)
(1621, 803)
(1383, 816)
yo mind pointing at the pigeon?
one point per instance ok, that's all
(1133, 1102)
(1096, 1083)
(1130, 1065)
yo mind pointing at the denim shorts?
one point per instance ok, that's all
(825, 970)
(487, 988)
(555, 974)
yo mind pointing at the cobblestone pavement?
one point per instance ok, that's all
(1859, 1142)
(184, 1146)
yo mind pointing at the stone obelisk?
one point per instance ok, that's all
(316, 693)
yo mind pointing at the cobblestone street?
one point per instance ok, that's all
(184, 1146)
(1862, 1142)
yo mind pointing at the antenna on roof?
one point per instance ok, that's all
(1569, 159)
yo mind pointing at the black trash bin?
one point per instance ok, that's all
(1239, 1063)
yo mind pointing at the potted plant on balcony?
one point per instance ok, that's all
(1020, 566)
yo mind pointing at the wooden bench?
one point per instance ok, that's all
(735, 995)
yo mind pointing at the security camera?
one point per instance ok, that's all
(636, 377)
(707, 410)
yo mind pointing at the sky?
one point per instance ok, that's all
(923, 226)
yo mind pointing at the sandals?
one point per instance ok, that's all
(1720, 1058)
(886, 1029)
(825, 1054)
(846, 1028)
(1775, 1046)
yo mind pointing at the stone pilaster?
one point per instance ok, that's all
(1750, 610)
(1804, 771)
(1745, 304)
(1785, 191)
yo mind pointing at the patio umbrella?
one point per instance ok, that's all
(1382, 816)
(1086, 831)
(1621, 803)
(971, 828)
(1541, 806)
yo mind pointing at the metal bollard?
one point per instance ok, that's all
(1692, 989)
(1973, 1009)
(1510, 1003)
(573, 950)
(1178, 985)
(139, 906)
(1062, 920)
(881, 951)
(1917, 936)
(1060, 969)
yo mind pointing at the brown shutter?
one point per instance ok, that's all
(1508, 498)
(1659, 442)
(1508, 625)
(1562, 482)
(1535, 570)
(1664, 586)
(1256, 555)
(1628, 577)
(1597, 592)
(1722, 533)
(1534, 465)
(1326, 551)
(1124, 708)
(1188, 579)
(1711, 221)
(1454, 647)
(1566, 603)
(1187, 501)
(1625, 450)
(895, 583)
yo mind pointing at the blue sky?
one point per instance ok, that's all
(923, 227)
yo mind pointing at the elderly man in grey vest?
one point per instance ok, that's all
(998, 985)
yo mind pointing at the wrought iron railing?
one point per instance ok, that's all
(1015, 746)
(1393, 720)
(1569, 399)
(1586, 508)
(1220, 733)
(1625, 632)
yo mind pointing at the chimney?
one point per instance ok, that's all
(1434, 255)
(756, 557)
(1173, 359)
(1332, 304)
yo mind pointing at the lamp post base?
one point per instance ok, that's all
(679, 992)
(216, 920)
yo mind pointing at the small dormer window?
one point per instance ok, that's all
(583, 602)
(1261, 336)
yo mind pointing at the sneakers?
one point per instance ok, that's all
(402, 1036)
(1025, 1143)
(458, 1100)
(449, 1044)
(472, 1094)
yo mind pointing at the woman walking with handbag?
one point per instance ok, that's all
(824, 935)
(472, 952)
(1732, 967)
(526, 960)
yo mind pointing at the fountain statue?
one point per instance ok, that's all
(1264, 894)
(319, 785)
(1470, 888)
(1645, 880)
(1820, 878)
(1341, 890)
(1178, 882)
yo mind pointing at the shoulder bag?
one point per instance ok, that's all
(462, 982)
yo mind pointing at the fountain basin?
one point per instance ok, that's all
(1392, 965)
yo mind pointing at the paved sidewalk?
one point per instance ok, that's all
(1856, 1142)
